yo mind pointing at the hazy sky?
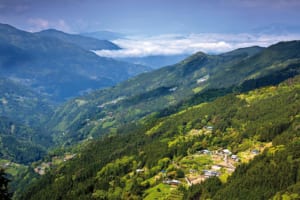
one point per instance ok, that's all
(164, 26)
(149, 16)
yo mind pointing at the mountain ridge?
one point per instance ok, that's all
(157, 122)
(82, 41)
(50, 65)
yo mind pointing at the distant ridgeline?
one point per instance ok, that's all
(60, 65)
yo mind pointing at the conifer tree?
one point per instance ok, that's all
(4, 194)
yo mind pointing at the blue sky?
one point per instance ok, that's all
(150, 16)
(156, 20)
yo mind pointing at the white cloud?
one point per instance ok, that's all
(62, 25)
(188, 44)
(38, 24)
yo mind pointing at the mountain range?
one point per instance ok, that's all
(105, 110)
(209, 127)
(85, 42)
(224, 149)
(58, 64)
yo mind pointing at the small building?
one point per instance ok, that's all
(7, 164)
(226, 151)
(202, 79)
(173, 89)
(175, 182)
(209, 128)
(139, 170)
(172, 182)
(235, 158)
(210, 173)
(255, 151)
(216, 167)
(205, 151)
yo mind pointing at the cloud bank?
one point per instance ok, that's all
(174, 44)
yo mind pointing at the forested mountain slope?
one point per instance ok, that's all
(105, 110)
(23, 139)
(22, 104)
(139, 161)
(153, 127)
(22, 144)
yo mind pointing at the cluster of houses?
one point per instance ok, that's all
(41, 169)
(111, 102)
(224, 152)
(226, 158)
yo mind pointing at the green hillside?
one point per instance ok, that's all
(22, 104)
(22, 112)
(22, 144)
(203, 75)
(260, 127)
(160, 134)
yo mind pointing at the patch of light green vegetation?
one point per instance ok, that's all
(286, 196)
(223, 177)
(198, 89)
(80, 102)
(180, 140)
(198, 162)
(274, 149)
(108, 124)
(154, 129)
(171, 99)
(258, 95)
(267, 92)
(190, 108)
(11, 167)
(159, 192)
(185, 138)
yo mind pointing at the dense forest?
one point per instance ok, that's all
(4, 193)
(210, 127)
(138, 162)
(103, 111)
